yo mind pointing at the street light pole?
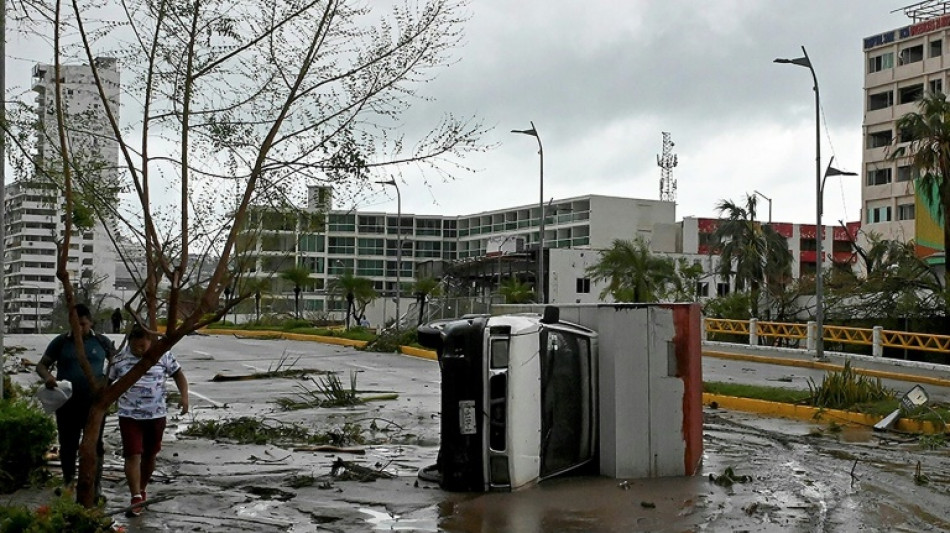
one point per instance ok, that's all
(804, 61)
(819, 281)
(534, 133)
(398, 242)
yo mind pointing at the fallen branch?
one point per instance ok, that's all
(329, 448)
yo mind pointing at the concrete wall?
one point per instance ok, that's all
(626, 218)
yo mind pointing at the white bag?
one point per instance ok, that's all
(53, 399)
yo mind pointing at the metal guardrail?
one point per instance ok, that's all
(876, 337)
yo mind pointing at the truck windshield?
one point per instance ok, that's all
(566, 404)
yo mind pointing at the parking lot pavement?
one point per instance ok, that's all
(794, 476)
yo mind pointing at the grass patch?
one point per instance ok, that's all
(934, 413)
(756, 392)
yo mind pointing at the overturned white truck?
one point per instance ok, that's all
(527, 396)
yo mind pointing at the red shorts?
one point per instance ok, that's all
(141, 437)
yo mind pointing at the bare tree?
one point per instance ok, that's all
(258, 98)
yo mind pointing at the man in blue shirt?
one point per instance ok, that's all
(71, 417)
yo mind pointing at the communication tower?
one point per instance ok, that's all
(667, 162)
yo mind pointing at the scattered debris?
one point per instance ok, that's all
(912, 399)
(648, 505)
(270, 493)
(248, 430)
(330, 392)
(282, 369)
(919, 477)
(329, 448)
(299, 482)
(347, 471)
(728, 478)
(932, 442)
(625, 485)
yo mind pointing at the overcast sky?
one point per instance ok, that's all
(601, 80)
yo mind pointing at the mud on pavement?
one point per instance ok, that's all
(785, 475)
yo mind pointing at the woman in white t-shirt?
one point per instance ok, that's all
(142, 412)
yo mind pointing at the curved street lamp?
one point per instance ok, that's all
(534, 133)
(804, 61)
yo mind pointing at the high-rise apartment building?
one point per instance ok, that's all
(901, 66)
(34, 214)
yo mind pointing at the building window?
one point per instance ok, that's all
(312, 264)
(583, 286)
(879, 214)
(371, 246)
(911, 54)
(342, 222)
(722, 289)
(880, 100)
(905, 173)
(936, 48)
(369, 267)
(311, 243)
(881, 62)
(702, 289)
(936, 86)
(911, 93)
(428, 249)
(904, 136)
(341, 245)
(880, 176)
(905, 212)
(336, 267)
(429, 227)
(371, 224)
(878, 139)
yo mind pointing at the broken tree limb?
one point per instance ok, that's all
(329, 448)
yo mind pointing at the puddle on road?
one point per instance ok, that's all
(425, 520)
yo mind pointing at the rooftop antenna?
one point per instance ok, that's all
(667, 162)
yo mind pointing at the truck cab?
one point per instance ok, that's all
(519, 399)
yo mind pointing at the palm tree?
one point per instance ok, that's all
(749, 251)
(357, 291)
(929, 150)
(515, 291)
(632, 273)
(299, 276)
(423, 289)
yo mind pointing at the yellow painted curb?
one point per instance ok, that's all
(815, 414)
(418, 352)
(264, 334)
(884, 374)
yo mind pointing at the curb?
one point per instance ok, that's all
(813, 414)
(418, 352)
(265, 334)
(801, 363)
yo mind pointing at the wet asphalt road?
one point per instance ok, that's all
(801, 476)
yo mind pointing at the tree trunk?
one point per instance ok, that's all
(88, 469)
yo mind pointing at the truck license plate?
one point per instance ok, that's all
(467, 417)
